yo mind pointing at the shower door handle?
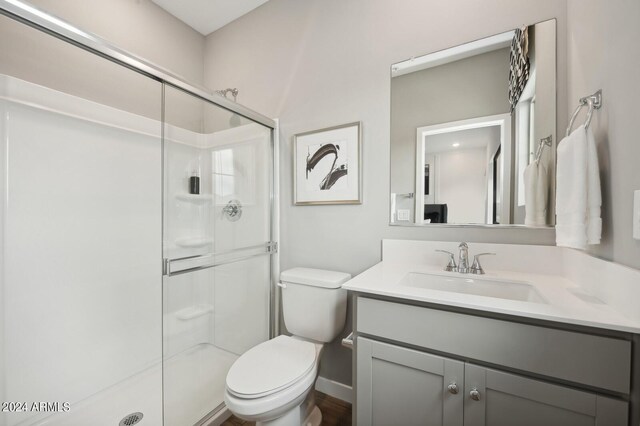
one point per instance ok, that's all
(186, 264)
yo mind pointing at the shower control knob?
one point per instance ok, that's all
(233, 210)
(453, 388)
(474, 394)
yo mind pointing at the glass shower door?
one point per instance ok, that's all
(216, 242)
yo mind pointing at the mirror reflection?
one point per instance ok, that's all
(473, 132)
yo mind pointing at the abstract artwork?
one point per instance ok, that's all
(327, 166)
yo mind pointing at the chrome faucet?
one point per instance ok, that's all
(463, 258)
(463, 261)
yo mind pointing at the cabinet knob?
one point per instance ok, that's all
(474, 394)
(453, 388)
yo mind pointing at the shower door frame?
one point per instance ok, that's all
(65, 31)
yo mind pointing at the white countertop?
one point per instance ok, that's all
(566, 302)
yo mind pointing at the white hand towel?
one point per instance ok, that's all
(536, 194)
(578, 197)
(594, 192)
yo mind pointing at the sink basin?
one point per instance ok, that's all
(510, 290)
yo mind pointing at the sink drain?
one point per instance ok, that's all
(131, 419)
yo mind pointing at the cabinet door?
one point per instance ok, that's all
(397, 385)
(494, 398)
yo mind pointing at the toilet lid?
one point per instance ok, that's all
(271, 366)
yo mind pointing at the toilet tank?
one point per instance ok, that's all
(314, 305)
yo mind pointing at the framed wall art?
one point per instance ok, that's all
(327, 166)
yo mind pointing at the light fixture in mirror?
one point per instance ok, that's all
(466, 128)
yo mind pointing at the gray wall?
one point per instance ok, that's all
(37, 57)
(468, 88)
(604, 54)
(139, 26)
(319, 63)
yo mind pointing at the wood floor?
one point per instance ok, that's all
(334, 412)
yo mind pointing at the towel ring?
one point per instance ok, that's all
(543, 142)
(593, 102)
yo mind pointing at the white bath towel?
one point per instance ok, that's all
(536, 194)
(578, 193)
(594, 192)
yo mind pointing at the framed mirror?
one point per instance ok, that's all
(473, 132)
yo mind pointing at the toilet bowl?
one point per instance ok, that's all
(272, 379)
(272, 383)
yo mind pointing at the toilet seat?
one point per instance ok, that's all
(271, 366)
(273, 405)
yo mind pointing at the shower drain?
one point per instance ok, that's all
(131, 419)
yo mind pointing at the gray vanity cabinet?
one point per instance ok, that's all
(397, 385)
(403, 386)
(503, 399)
(401, 381)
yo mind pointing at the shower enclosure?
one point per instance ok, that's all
(126, 293)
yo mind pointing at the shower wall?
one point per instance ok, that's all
(81, 221)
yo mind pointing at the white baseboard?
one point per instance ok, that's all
(217, 419)
(335, 389)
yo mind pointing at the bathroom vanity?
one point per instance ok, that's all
(512, 347)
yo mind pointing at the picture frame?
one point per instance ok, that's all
(327, 166)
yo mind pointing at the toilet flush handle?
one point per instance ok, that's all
(281, 285)
(347, 342)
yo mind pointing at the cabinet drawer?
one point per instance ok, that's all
(597, 361)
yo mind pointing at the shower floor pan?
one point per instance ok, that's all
(194, 386)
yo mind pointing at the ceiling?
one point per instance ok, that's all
(206, 16)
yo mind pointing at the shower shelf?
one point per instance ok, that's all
(193, 242)
(195, 198)
(193, 312)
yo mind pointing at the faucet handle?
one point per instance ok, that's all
(451, 266)
(476, 267)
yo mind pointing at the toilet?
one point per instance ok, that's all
(272, 383)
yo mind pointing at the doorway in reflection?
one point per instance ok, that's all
(462, 179)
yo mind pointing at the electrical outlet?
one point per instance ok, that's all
(404, 214)
(636, 215)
